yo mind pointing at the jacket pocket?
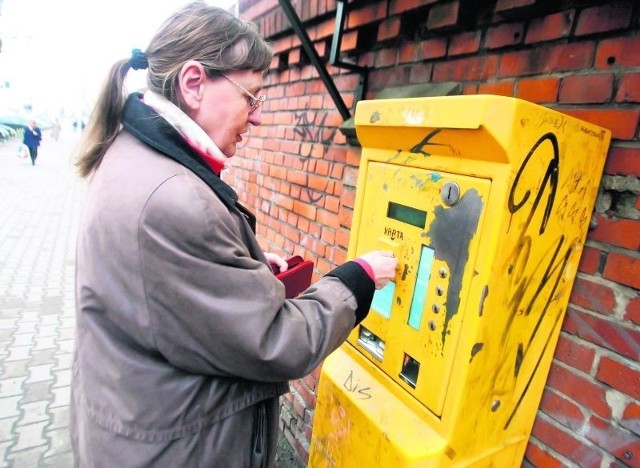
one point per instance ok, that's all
(259, 455)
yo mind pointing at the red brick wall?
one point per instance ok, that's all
(580, 57)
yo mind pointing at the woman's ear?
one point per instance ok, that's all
(191, 83)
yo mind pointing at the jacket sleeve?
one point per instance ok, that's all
(216, 309)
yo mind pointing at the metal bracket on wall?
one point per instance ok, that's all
(334, 60)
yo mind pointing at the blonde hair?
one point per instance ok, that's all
(210, 35)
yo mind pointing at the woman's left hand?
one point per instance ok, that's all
(277, 260)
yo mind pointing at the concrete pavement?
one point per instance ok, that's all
(39, 212)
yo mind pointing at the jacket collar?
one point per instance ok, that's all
(191, 131)
(146, 124)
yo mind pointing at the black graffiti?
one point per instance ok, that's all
(352, 387)
(550, 178)
(426, 141)
(313, 132)
(571, 207)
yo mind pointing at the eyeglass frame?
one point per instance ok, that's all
(256, 101)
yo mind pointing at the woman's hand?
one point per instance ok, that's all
(277, 260)
(383, 264)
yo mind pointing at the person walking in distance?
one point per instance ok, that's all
(31, 139)
(184, 338)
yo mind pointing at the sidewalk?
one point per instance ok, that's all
(39, 211)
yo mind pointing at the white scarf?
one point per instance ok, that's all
(191, 131)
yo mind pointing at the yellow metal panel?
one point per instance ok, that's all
(362, 414)
(405, 212)
(473, 383)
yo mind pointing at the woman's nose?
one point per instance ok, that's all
(255, 117)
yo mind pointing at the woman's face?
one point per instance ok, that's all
(225, 112)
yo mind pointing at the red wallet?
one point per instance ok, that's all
(297, 278)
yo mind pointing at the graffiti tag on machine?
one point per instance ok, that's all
(354, 387)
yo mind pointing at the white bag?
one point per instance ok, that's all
(23, 151)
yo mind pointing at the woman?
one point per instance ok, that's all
(184, 338)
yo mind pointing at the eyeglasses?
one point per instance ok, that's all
(254, 101)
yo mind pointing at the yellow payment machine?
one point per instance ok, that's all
(486, 202)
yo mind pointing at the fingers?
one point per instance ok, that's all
(278, 260)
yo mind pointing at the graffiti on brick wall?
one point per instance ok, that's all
(310, 127)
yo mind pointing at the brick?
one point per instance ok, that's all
(443, 15)
(582, 390)
(349, 41)
(380, 79)
(592, 88)
(602, 18)
(539, 90)
(386, 58)
(467, 69)
(332, 204)
(548, 28)
(607, 333)
(565, 443)
(540, 456)
(593, 296)
(501, 88)
(620, 52)
(304, 392)
(629, 88)
(507, 34)
(573, 352)
(614, 440)
(326, 218)
(632, 311)
(305, 210)
(424, 50)
(562, 410)
(622, 269)
(464, 43)
(368, 14)
(622, 122)
(549, 59)
(631, 418)
(623, 160)
(342, 238)
(590, 260)
(401, 6)
(623, 233)
(389, 29)
(619, 375)
(421, 73)
(506, 5)
(282, 45)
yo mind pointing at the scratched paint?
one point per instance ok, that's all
(451, 232)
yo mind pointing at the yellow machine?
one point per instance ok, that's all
(486, 202)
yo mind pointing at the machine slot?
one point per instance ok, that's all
(372, 343)
(410, 369)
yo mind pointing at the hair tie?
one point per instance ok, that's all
(138, 60)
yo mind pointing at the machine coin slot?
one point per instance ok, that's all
(371, 343)
(410, 369)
